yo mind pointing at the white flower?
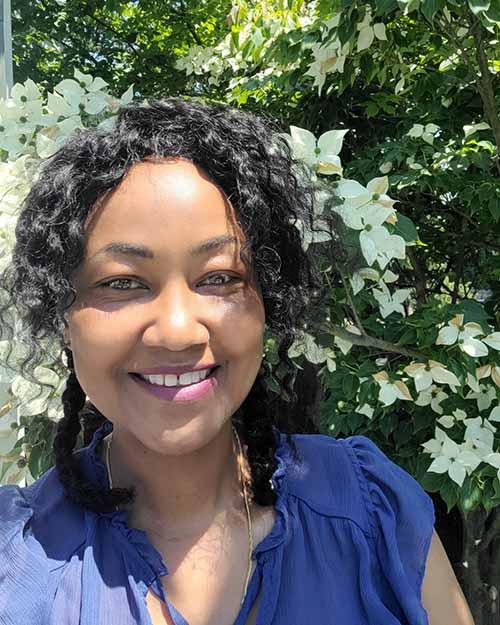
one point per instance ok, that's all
(321, 155)
(455, 460)
(433, 396)
(493, 340)
(427, 132)
(449, 421)
(366, 410)
(484, 397)
(83, 94)
(472, 128)
(425, 374)
(390, 391)
(358, 278)
(435, 445)
(344, 344)
(24, 93)
(390, 303)
(456, 332)
(367, 32)
(327, 59)
(481, 433)
(377, 244)
(319, 234)
(485, 371)
(305, 345)
(494, 414)
(386, 167)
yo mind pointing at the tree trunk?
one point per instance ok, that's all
(479, 571)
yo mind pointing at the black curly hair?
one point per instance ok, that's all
(245, 155)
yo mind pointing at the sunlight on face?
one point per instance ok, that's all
(171, 290)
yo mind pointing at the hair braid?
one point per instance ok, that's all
(77, 487)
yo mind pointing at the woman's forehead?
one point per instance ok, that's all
(169, 203)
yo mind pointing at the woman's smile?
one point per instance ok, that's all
(181, 392)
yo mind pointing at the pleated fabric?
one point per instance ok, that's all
(348, 547)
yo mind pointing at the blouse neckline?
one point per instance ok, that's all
(97, 471)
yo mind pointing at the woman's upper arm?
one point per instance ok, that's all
(442, 596)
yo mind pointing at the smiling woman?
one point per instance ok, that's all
(157, 252)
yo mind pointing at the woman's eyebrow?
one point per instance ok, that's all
(123, 248)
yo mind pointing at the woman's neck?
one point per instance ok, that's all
(177, 496)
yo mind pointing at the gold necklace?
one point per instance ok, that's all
(245, 497)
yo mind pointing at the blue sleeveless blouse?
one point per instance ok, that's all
(348, 546)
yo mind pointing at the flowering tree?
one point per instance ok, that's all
(392, 107)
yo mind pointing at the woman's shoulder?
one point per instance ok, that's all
(39, 521)
(352, 478)
(39, 529)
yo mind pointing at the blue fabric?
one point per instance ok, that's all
(349, 546)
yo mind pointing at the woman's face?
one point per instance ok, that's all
(178, 304)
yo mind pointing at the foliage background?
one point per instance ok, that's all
(410, 90)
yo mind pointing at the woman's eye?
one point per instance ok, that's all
(221, 279)
(109, 282)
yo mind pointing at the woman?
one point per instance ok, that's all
(156, 252)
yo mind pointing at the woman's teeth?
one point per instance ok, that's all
(177, 380)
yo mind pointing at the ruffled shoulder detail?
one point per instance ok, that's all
(324, 477)
(401, 516)
(23, 562)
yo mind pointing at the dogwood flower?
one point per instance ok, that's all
(327, 59)
(391, 302)
(433, 396)
(390, 391)
(484, 396)
(321, 155)
(83, 94)
(463, 334)
(367, 32)
(344, 344)
(426, 133)
(455, 460)
(366, 410)
(494, 414)
(305, 345)
(425, 374)
(377, 244)
(488, 370)
(493, 340)
(481, 433)
(449, 421)
(358, 278)
(22, 93)
(434, 446)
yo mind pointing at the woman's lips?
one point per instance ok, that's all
(191, 392)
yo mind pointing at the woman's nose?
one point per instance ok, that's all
(178, 320)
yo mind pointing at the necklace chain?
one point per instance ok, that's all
(245, 497)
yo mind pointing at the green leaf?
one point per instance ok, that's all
(406, 229)
(34, 459)
(350, 386)
(384, 7)
(450, 493)
(474, 311)
(433, 482)
(478, 6)
(430, 7)
(470, 495)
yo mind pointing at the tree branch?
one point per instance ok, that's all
(485, 86)
(370, 341)
(352, 306)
